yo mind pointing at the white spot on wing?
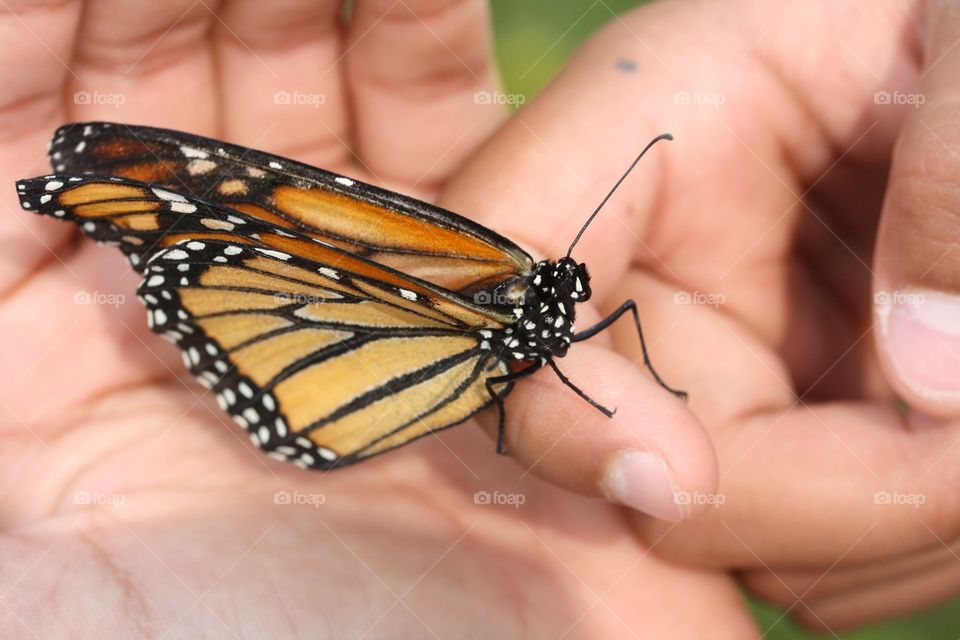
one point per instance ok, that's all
(183, 207)
(327, 454)
(330, 273)
(211, 223)
(268, 402)
(190, 152)
(163, 194)
(199, 167)
(280, 255)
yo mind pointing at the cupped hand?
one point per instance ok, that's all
(132, 506)
(795, 257)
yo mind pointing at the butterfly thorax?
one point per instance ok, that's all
(544, 304)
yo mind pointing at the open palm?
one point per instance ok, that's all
(134, 506)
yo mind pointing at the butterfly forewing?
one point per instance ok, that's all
(410, 236)
(142, 220)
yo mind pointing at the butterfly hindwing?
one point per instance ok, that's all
(315, 367)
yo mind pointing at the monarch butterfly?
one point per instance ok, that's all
(333, 319)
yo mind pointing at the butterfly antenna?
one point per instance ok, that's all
(662, 136)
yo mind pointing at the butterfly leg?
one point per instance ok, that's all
(630, 306)
(510, 377)
(593, 403)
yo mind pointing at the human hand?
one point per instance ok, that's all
(798, 136)
(134, 506)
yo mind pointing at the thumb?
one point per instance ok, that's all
(917, 283)
(652, 455)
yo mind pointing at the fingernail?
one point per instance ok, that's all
(922, 332)
(641, 480)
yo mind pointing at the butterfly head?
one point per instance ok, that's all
(571, 280)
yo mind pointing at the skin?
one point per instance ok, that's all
(131, 506)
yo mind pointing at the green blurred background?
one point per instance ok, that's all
(534, 39)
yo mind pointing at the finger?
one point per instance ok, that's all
(787, 586)
(890, 475)
(917, 287)
(35, 48)
(882, 600)
(415, 70)
(280, 81)
(838, 597)
(145, 62)
(650, 451)
(784, 462)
